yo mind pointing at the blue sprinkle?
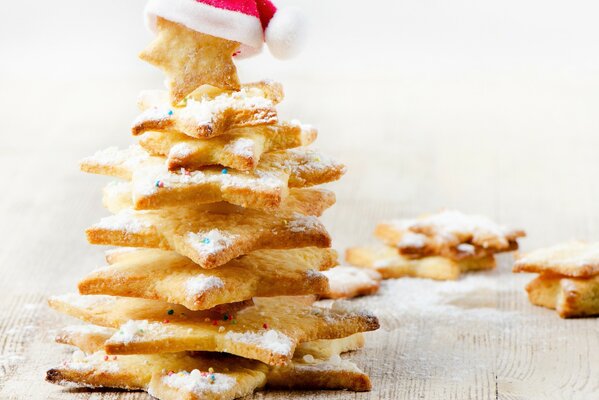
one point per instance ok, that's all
(206, 241)
(170, 112)
(224, 171)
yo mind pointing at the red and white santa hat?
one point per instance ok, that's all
(250, 22)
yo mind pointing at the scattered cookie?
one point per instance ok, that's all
(240, 148)
(268, 331)
(346, 282)
(450, 234)
(389, 263)
(191, 59)
(568, 280)
(170, 277)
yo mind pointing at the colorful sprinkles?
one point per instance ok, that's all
(159, 184)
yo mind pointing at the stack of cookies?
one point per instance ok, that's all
(435, 246)
(210, 292)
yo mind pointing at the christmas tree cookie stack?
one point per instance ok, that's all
(210, 291)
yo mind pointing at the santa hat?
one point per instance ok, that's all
(250, 22)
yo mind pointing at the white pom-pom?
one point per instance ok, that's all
(286, 32)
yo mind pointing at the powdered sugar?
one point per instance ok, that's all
(343, 279)
(125, 220)
(454, 224)
(113, 156)
(94, 362)
(146, 179)
(199, 284)
(412, 240)
(180, 150)
(198, 383)
(301, 223)
(132, 331)
(88, 329)
(270, 340)
(87, 302)
(241, 147)
(210, 242)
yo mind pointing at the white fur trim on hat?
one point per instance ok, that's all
(286, 32)
(200, 17)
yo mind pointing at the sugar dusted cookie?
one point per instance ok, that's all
(240, 148)
(389, 263)
(170, 277)
(450, 234)
(347, 282)
(212, 237)
(316, 365)
(268, 331)
(191, 59)
(573, 259)
(154, 186)
(205, 117)
(568, 280)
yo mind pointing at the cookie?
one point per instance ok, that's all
(239, 149)
(573, 259)
(265, 188)
(215, 236)
(321, 370)
(205, 117)
(390, 264)
(450, 234)
(170, 277)
(346, 282)
(268, 331)
(191, 59)
(570, 297)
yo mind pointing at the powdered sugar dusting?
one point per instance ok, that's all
(88, 329)
(125, 220)
(412, 240)
(241, 147)
(302, 223)
(180, 150)
(132, 331)
(80, 301)
(210, 242)
(113, 156)
(454, 224)
(343, 279)
(199, 284)
(93, 362)
(198, 383)
(271, 340)
(203, 111)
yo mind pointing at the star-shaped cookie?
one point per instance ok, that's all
(191, 59)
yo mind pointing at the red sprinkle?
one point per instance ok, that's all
(105, 358)
(214, 322)
(166, 321)
(170, 373)
(265, 326)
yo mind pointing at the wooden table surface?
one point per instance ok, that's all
(518, 146)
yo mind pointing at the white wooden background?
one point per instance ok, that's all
(482, 106)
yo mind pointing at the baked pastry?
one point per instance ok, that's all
(268, 331)
(167, 276)
(438, 246)
(568, 278)
(346, 282)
